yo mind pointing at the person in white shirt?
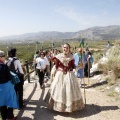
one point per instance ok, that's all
(41, 66)
(108, 45)
(19, 70)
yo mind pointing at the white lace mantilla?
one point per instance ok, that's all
(64, 60)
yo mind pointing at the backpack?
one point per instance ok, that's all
(91, 59)
(10, 64)
(15, 80)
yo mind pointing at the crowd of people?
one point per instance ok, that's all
(63, 68)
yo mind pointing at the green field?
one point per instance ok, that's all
(26, 51)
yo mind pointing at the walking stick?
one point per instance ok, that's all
(82, 46)
(89, 64)
(83, 78)
(88, 70)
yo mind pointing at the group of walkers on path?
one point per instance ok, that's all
(64, 94)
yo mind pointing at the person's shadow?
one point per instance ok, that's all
(43, 113)
(90, 110)
(40, 111)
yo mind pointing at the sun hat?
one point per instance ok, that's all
(2, 53)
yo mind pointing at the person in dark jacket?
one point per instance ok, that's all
(88, 63)
(8, 98)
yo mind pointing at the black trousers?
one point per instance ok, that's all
(6, 113)
(86, 70)
(40, 76)
(19, 91)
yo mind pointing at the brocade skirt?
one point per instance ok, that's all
(64, 94)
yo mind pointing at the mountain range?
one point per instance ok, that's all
(94, 33)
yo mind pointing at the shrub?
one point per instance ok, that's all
(103, 67)
(112, 79)
(107, 79)
(97, 56)
(114, 61)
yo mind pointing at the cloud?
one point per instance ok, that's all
(69, 13)
(79, 18)
(85, 20)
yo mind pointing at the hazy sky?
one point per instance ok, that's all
(24, 16)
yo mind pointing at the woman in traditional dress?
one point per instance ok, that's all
(64, 94)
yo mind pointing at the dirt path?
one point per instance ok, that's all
(99, 106)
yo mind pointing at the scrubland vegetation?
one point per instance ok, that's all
(98, 48)
(112, 66)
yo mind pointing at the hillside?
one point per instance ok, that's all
(100, 33)
(94, 33)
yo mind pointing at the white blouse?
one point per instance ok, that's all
(41, 63)
(17, 65)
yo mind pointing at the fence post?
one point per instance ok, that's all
(27, 68)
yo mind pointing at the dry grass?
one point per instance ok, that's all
(113, 65)
(114, 61)
(97, 56)
(103, 67)
(112, 94)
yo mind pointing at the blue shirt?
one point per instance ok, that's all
(77, 59)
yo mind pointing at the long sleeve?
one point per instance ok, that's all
(18, 66)
(76, 59)
(56, 63)
(72, 64)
